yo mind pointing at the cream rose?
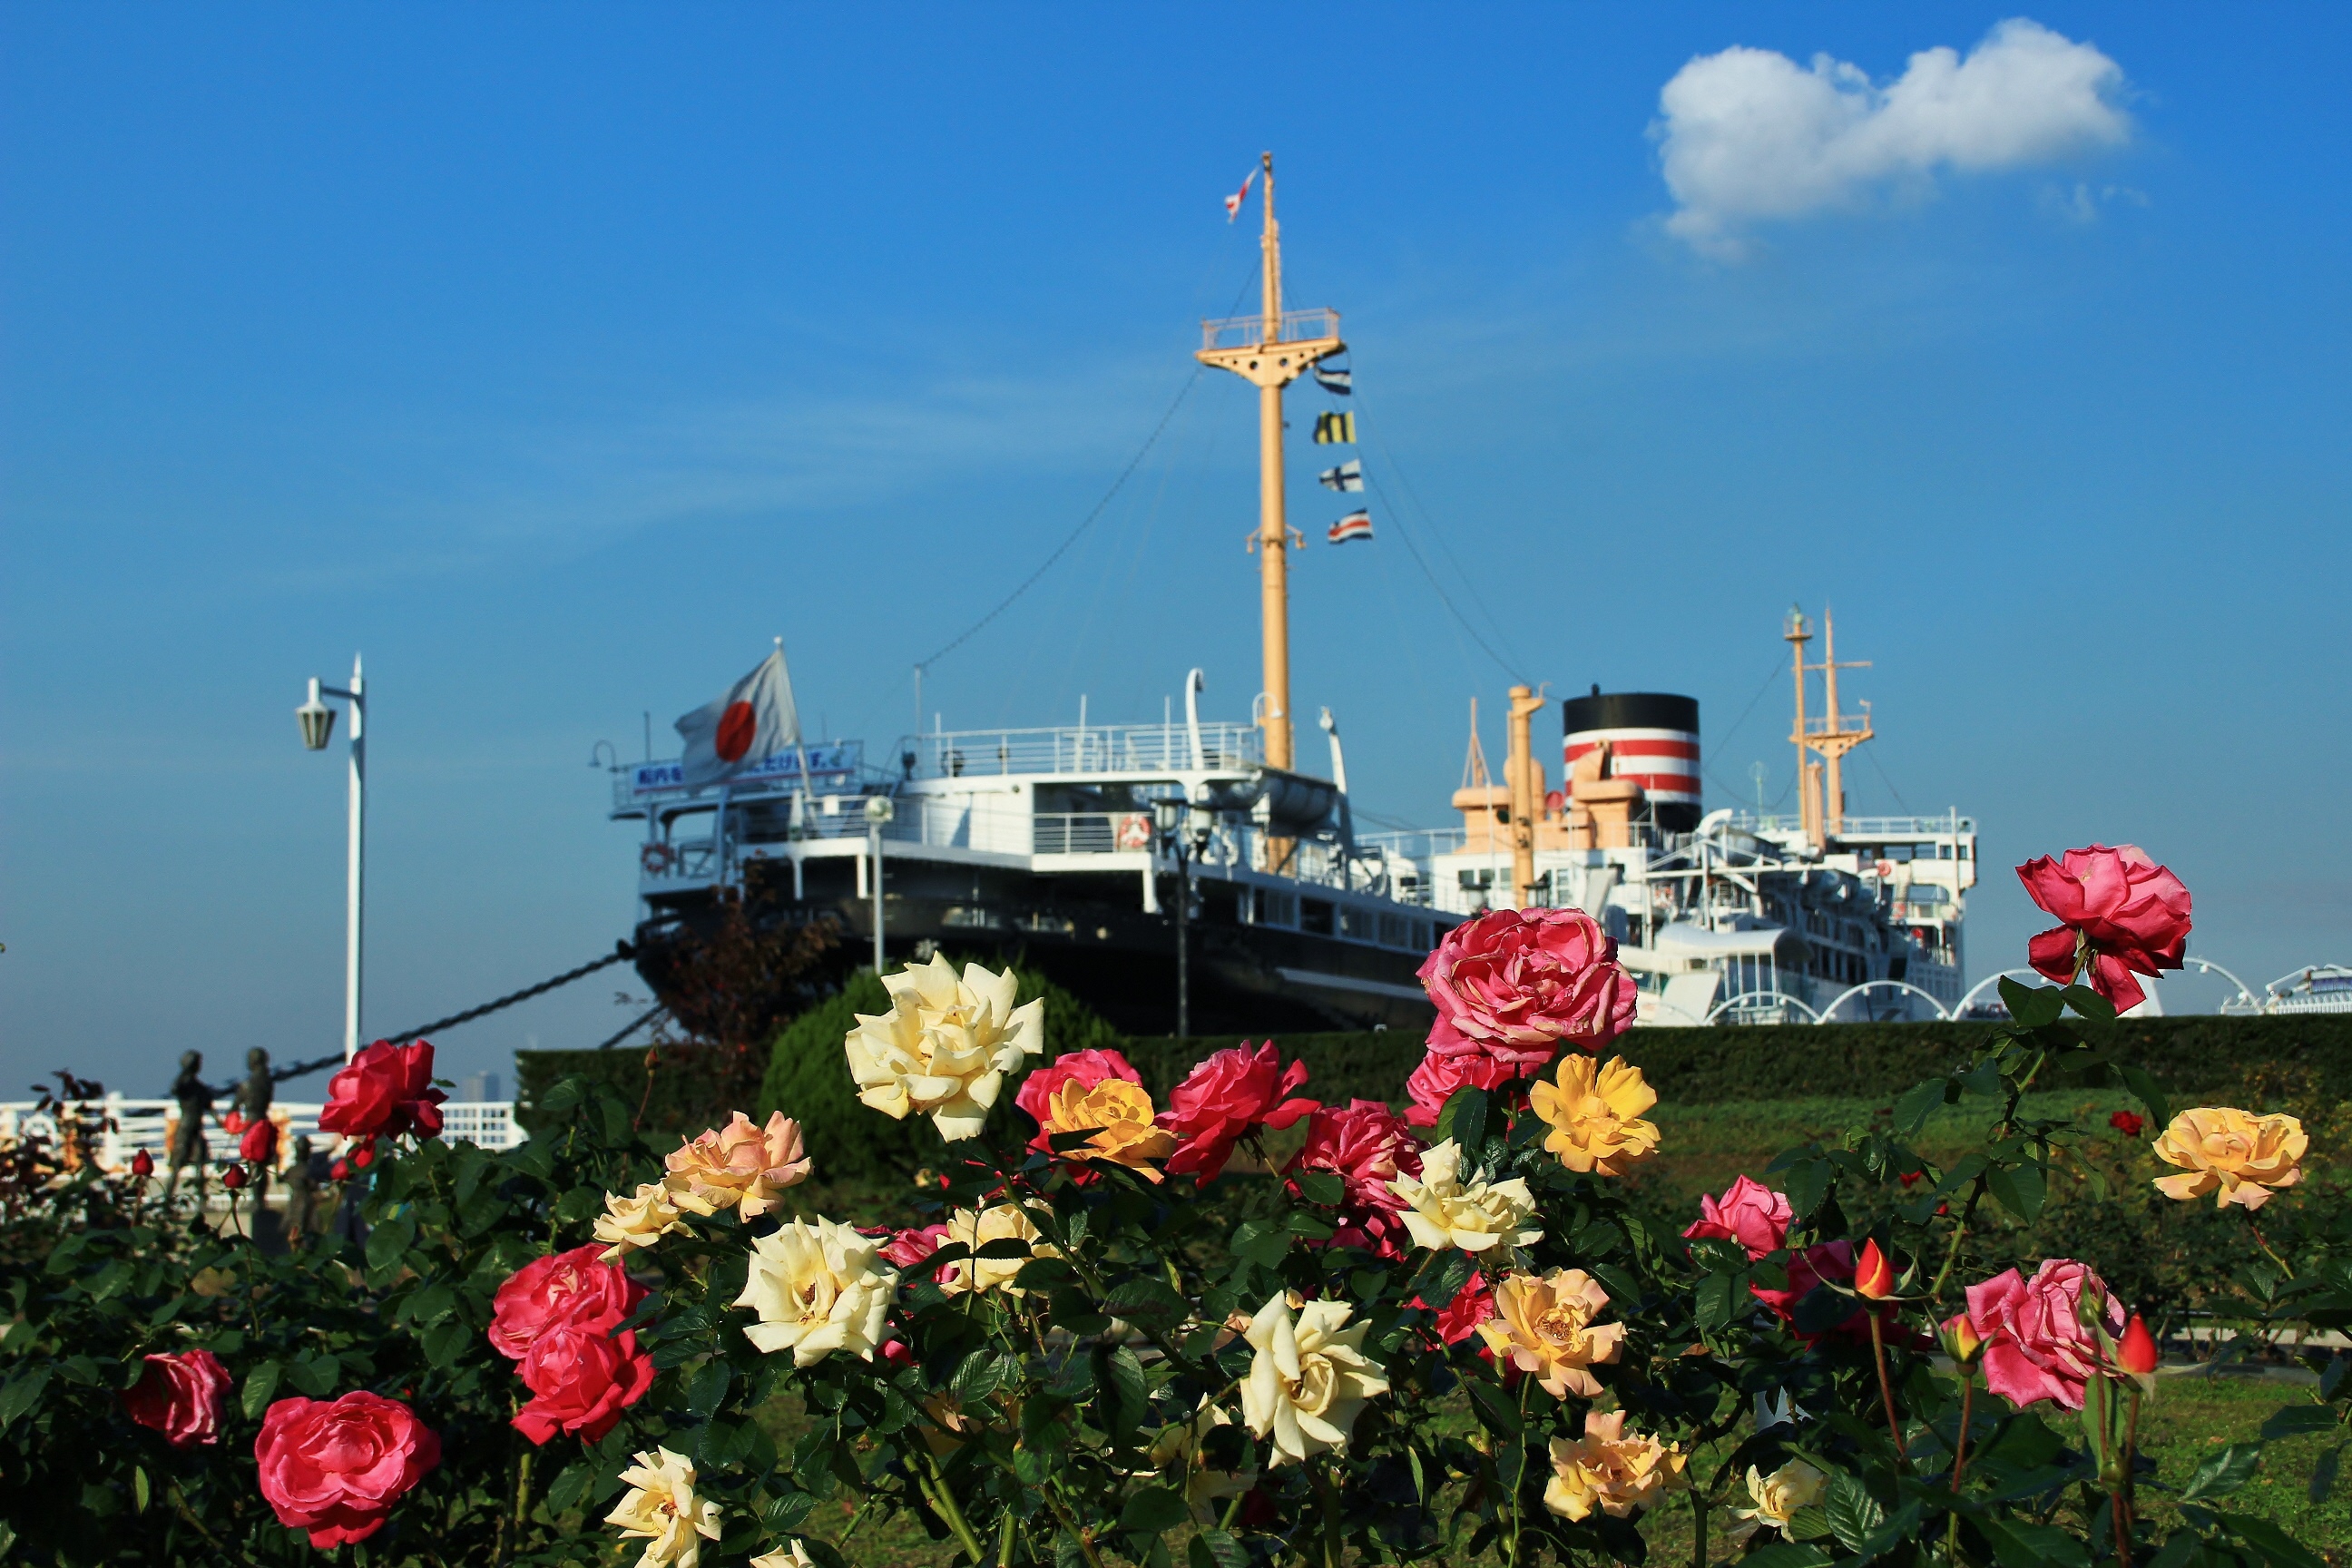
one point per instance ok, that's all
(661, 1508)
(818, 1288)
(631, 1223)
(1308, 1379)
(794, 1555)
(1777, 1497)
(944, 1047)
(975, 1229)
(739, 1167)
(1443, 1210)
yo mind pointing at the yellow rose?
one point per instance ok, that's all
(1122, 1112)
(944, 1047)
(661, 1507)
(1777, 1497)
(1204, 1488)
(2242, 1156)
(640, 1221)
(1595, 1115)
(1308, 1379)
(1611, 1471)
(976, 1229)
(740, 1165)
(1443, 1210)
(1545, 1327)
(818, 1288)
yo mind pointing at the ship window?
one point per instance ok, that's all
(1476, 881)
(1355, 923)
(1317, 915)
(1276, 908)
(1395, 930)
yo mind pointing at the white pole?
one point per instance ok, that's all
(355, 903)
(874, 850)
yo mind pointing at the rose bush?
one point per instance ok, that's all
(1118, 1334)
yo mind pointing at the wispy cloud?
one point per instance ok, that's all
(1748, 136)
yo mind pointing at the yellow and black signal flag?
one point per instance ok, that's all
(1333, 428)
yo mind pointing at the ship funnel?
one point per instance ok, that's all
(1653, 740)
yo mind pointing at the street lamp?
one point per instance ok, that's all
(318, 722)
(1171, 819)
(879, 811)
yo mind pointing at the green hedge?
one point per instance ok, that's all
(687, 1082)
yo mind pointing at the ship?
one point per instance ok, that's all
(1193, 876)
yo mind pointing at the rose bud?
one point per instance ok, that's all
(1961, 1341)
(1874, 1276)
(143, 1164)
(233, 1178)
(364, 1156)
(2127, 1124)
(2137, 1353)
(340, 1171)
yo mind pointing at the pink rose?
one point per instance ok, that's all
(386, 1090)
(2129, 912)
(1748, 1213)
(908, 1248)
(581, 1379)
(1226, 1096)
(1086, 1069)
(183, 1396)
(1432, 1083)
(1516, 985)
(1367, 1146)
(564, 1289)
(335, 1468)
(2035, 1346)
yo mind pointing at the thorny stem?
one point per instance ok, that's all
(523, 1497)
(2255, 1227)
(1959, 1463)
(1519, 1481)
(1886, 1386)
(943, 1499)
(2124, 1496)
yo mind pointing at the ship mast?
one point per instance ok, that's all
(1821, 799)
(1270, 351)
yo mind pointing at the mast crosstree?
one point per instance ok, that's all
(1270, 351)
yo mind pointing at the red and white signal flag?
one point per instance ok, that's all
(1233, 202)
(1355, 525)
(752, 722)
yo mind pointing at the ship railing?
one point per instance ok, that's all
(1083, 749)
(1416, 843)
(1860, 827)
(111, 1130)
(1249, 331)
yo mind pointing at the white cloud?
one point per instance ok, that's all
(1749, 135)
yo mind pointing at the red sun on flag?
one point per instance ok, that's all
(736, 727)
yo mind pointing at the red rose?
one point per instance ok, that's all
(340, 1171)
(1226, 1096)
(365, 1156)
(233, 1123)
(233, 1177)
(1367, 1146)
(143, 1164)
(581, 1379)
(387, 1089)
(908, 1248)
(1086, 1069)
(1748, 1213)
(2035, 1344)
(2120, 911)
(259, 1143)
(1459, 1319)
(183, 1396)
(565, 1289)
(1432, 1083)
(1518, 984)
(1832, 1262)
(2127, 1124)
(336, 1468)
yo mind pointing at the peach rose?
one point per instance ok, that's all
(1120, 1114)
(739, 1166)
(1594, 1112)
(1610, 1470)
(2241, 1157)
(1545, 1327)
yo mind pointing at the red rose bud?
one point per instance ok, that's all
(339, 1171)
(1961, 1341)
(143, 1164)
(233, 1178)
(1873, 1276)
(2127, 1124)
(364, 1156)
(2137, 1353)
(897, 1354)
(1910, 1178)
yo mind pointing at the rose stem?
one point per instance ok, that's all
(1335, 1544)
(2131, 1509)
(1959, 1464)
(941, 1499)
(2255, 1225)
(1886, 1387)
(522, 1497)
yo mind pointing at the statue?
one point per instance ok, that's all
(258, 1147)
(301, 1194)
(196, 1098)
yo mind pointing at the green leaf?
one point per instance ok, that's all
(982, 1373)
(2272, 1542)
(1146, 1303)
(1496, 1409)
(1044, 1274)
(1721, 1296)
(708, 1389)
(1786, 1554)
(139, 1493)
(2224, 1472)
(1150, 1510)
(2033, 1006)
(2323, 1475)
(1215, 1549)
(1855, 1515)
(2019, 1189)
(21, 1394)
(2297, 1420)
(2089, 1003)
(2019, 1543)
(387, 1242)
(2151, 1098)
(1004, 1249)
(1323, 1187)
(1808, 1184)
(1919, 1102)
(260, 1387)
(1261, 1242)
(1119, 1383)
(1464, 1118)
(565, 1494)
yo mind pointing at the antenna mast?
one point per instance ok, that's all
(1822, 785)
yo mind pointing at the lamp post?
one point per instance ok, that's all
(879, 811)
(318, 722)
(1183, 833)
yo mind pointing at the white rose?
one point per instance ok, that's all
(1308, 1379)
(640, 1221)
(945, 1045)
(818, 1288)
(794, 1555)
(661, 1508)
(1441, 1210)
(1777, 1497)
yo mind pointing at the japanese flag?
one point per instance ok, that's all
(752, 722)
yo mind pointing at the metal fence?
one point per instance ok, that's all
(115, 1128)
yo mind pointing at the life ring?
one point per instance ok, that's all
(656, 858)
(1134, 831)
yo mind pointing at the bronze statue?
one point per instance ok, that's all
(258, 1146)
(301, 1194)
(196, 1098)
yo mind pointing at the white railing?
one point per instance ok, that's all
(1860, 827)
(1084, 749)
(1249, 331)
(128, 1125)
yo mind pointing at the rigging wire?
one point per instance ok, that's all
(1744, 714)
(1887, 782)
(1509, 667)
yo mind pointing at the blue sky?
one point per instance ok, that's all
(557, 357)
